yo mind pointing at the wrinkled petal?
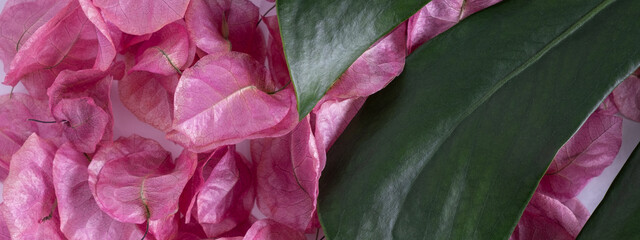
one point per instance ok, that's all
(269, 229)
(20, 19)
(85, 83)
(134, 179)
(608, 106)
(83, 122)
(80, 216)
(29, 198)
(4, 231)
(68, 41)
(374, 69)
(149, 97)
(165, 228)
(287, 173)
(141, 16)
(584, 156)
(221, 100)
(547, 218)
(438, 16)
(277, 63)
(627, 98)
(15, 128)
(331, 119)
(222, 25)
(166, 52)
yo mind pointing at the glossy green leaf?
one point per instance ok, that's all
(618, 214)
(456, 145)
(322, 38)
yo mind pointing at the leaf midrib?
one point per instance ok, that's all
(474, 106)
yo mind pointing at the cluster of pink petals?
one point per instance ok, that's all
(204, 73)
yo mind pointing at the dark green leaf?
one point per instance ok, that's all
(322, 38)
(618, 214)
(454, 148)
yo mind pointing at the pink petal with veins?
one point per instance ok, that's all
(83, 122)
(266, 229)
(627, 98)
(29, 197)
(166, 52)
(548, 218)
(374, 69)
(583, 157)
(20, 19)
(222, 100)
(331, 118)
(165, 228)
(134, 174)
(142, 16)
(80, 216)
(277, 63)
(287, 173)
(78, 45)
(149, 97)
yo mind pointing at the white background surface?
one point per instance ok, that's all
(127, 124)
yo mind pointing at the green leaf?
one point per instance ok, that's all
(455, 146)
(322, 38)
(618, 214)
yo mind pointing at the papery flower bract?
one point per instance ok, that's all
(269, 229)
(141, 16)
(134, 179)
(549, 218)
(221, 100)
(29, 198)
(20, 19)
(164, 228)
(287, 173)
(83, 122)
(627, 98)
(80, 216)
(167, 52)
(275, 54)
(331, 119)
(149, 97)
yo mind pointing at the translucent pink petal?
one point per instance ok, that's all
(627, 98)
(164, 228)
(374, 69)
(20, 19)
(222, 25)
(135, 174)
(277, 63)
(149, 97)
(221, 100)
(438, 16)
(15, 128)
(4, 231)
(106, 46)
(583, 157)
(287, 173)
(80, 216)
(548, 218)
(83, 122)
(166, 52)
(68, 41)
(85, 83)
(608, 106)
(29, 199)
(141, 16)
(331, 118)
(268, 229)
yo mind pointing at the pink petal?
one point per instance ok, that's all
(4, 231)
(84, 122)
(287, 173)
(268, 229)
(135, 174)
(142, 16)
(627, 98)
(222, 25)
(20, 19)
(438, 16)
(85, 83)
(608, 106)
(277, 63)
(166, 52)
(331, 118)
(15, 128)
(80, 216)
(29, 198)
(374, 69)
(227, 93)
(165, 228)
(78, 45)
(548, 218)
(583, 157)
(149, 97)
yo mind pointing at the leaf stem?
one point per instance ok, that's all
(40, 121)
(265, 14)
